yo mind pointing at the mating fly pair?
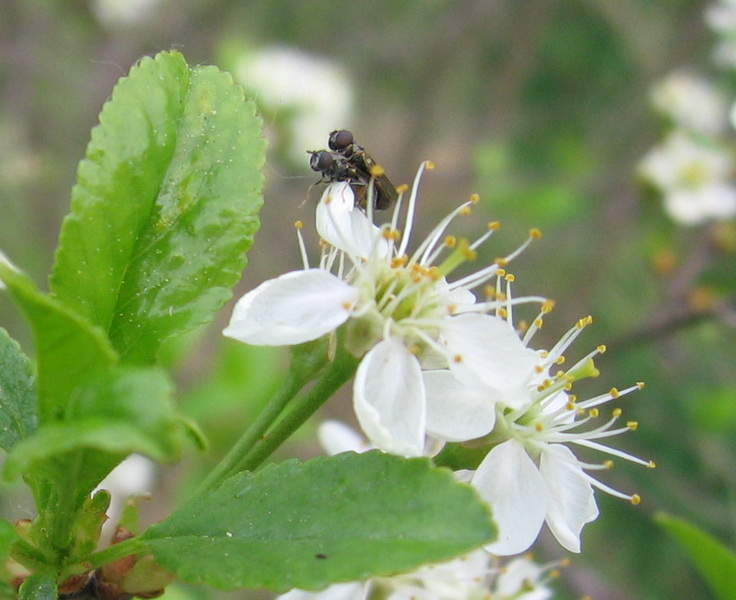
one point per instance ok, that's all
(348, 161)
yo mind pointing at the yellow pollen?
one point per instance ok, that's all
(322, 244)
(573, 397)
(490, 291)
(539, 427)
(510, 278)
(298, 224)
(458, 358)
(633, 425)
(501, 262)
(580, 411)
(570, 405)
(403, 188)
(534, 233)
(502, 313)
(568, 387)
(602, 349)
(470, 254)
(651, 465)
(635, 499)
(640, 384)
(617, 412)
(451, 308)
(450, 241)
(539, 369)
(414, 349)
(328, 199)
(565, 562)
(377, 171)
(387, 234)
(501, 296)
(475, 198)
(465, 211)
(554, 573)
(500, 272)
(523, 326)
(434, 273)
(547, 306)
(593, 412)
(429, 165)
(348, 305)
(494, 225)
(613, 393)
(608, 464)
(560, 360)
(539, 323)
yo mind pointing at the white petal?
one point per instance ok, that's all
(485, 350)
(571, 500)
(343, 225)
(355, 590)
(388, 397)
(293, 308)
(456, 412)
(336, 437)
(510, 482)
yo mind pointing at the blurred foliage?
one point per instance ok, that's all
(541, 106)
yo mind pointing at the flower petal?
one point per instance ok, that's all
(293, 308)
(456, 412)
(571, 500)
(343, 225)
(388, 397)
(485, 351)
(336, 437)
(510, 482)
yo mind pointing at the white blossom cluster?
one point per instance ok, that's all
(440, 365)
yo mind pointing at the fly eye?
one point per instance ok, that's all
(340, 139)
(321, 161)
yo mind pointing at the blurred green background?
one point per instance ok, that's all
(540, 106)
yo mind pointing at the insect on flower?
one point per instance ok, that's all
(348, 161)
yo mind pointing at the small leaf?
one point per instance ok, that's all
(68, 348)
(331, 519)
(716, 563)
(165, 205)
(7, 537)
(38, 587)
(17, 394)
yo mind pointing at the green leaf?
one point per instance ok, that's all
(7, 537)
(716, 563)
(68, 348)
(327, 520)
(38, 587)
(165, 206)
(17, 394)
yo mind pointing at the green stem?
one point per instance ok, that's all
(339, 372)
(116, 551)
(229, 464)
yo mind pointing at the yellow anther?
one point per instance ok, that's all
(633, 425)
(613, 393)
(547, 306)
(539, 323)
(458, 358)
(475, 198)
(414, 349)
(451, 309)
(560, 360)
(534, 233)
(593, 412)
(494, 225)
(510, 278)
(434, 273)
(450, 241)
(572, 398)
(640, 384)
(429, 165)
(500, 272)
(539, 427)
(617, 412)
(377, 171)
(539, 369)
(555, 573)
(565, 562)
(501, 262)
(298, 224)
(608, 464)
(651, 465)
(602, 348)
(568, 386)
(465, 211)
(322, 244)
(470, 254)
(490, 291)
(570, 405)
(502, 313)
(386, 234)
(348, 305)
(403, 188)
(635, 499)
(397, 262)
(501, 297)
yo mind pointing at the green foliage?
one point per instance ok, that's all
(38, 587)
(330, 519)
(716, 563)
(165, 205)
(17, 394)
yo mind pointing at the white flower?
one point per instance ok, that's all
(308, 93)
(531, 476)
(400, 315)
(121, 13)
(691, 102)
(475, 576)
(135, 475)
(695, 178)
